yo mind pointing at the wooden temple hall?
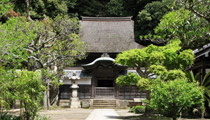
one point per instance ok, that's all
(106, 37)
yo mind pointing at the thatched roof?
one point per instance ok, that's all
(108, 34)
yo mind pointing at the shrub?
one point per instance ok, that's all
(5, 116)
(137, 109)
(173, 97)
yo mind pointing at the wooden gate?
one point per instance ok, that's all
(105, 92)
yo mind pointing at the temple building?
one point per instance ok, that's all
(105, 37)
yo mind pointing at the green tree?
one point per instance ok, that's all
(170, 57)
(41, 45)
(182, 24)
(150, 16)
(39, 8)
(173, 97)
(6, 96)
(200, 9)
(5, 5)
(165, 61)
(187, 21)
(29, 89)
(115, 8)
(204, 84)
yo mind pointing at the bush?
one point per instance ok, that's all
(172, 97)
(5, 116)
(137, 109)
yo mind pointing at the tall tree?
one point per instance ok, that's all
(165, 61)
(38, 9)
(182, 24)
(41, 45)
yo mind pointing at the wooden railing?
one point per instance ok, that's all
(105, 92)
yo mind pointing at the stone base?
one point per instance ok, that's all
(75, 103)
(64, 103)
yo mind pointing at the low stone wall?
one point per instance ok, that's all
(123, 104)
(64, 103)
(87, 103)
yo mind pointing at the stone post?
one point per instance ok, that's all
(75, 103)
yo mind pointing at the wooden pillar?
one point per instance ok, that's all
(203, 68)
(117, 91)
(93, 87)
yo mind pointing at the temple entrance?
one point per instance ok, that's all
(104, 72)
(105, 83)
(105, 89)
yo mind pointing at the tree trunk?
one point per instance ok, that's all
(21, 110)
(203, 113)
(147, 110)
(46, 97)
(28, 10)
(174, 117)
(174, 112)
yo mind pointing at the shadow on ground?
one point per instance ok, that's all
(140, 117)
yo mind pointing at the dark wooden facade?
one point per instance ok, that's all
(124, 93)
(202, 61)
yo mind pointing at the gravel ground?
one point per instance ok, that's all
(67, 114)
(82, 114)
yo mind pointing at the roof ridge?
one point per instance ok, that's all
(106, 18)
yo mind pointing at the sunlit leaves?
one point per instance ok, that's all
(5, 5)
(130, 79)
(184, 25)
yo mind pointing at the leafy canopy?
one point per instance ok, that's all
(184, 25)
(165, 61)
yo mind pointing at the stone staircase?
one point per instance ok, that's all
(104, 104)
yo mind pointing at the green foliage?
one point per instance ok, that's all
(115, 8)
(173, 97)
(158, 70)
(175, 75)
(6, 96)
(150, 16)
(132, 57)
(137, 109)
(199, 9)
(6, 116)
(62, 42)
(165, 61)
(40, 8)
(182, 24)
(16, 34)
(29, 90)
(130, 79)
(5, 5)
(169, 56)
(25, 86)
(204, 84)
(144, 84)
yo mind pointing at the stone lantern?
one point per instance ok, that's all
(75, 103)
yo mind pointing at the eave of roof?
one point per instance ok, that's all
(202, 51)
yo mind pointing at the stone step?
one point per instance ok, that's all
(104, 104)
(104, 101)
